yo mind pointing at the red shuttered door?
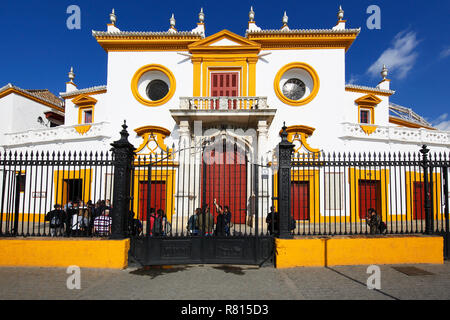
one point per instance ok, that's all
(226, 181)
(157, 197)
(300, 200)
(369, 197)
(224, 84)
(419, 201)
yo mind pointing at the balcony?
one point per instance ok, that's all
(242, 111)
(61, 134)
(397, 134)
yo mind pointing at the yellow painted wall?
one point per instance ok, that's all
(358, 250)
(95, 253)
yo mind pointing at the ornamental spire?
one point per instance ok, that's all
(112, 17)
(201, 16)
(251, 15)
(71, 74)
(172, 24)
(384, 72)
(340, 13)
(285, 22)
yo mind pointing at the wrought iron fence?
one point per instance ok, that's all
(331, 194)
(186, 186)
(75, 187)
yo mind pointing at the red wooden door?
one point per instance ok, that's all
(300, 200)
(225, 84)
(157, 197)
(419, 201)
(369, 197)
(226, 181)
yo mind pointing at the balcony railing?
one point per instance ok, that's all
(223, 103)
(391, 133)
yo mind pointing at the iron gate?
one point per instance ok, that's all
(212, 203)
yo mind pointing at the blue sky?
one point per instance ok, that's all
(37, 48)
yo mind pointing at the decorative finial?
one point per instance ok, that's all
(285, 19)
(201, 16)
(172, 22)
(251, 14)
(384, 72)
(113, 17)
(71, 74)
(284, 133)
(340, 13)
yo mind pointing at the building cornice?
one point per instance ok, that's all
(364, 89)
(146, 41)
(303, 39)
(9, 88)
(90, 91)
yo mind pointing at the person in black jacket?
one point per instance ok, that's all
(221, 221)
(56, 217)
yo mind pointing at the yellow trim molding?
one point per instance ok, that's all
(155, 134)
(75, 94)
(355, 175)
(60, 184)
(299, 65)
(412, 177)
(368, 129)
(28, 96)
(138, 75)
(408, 124)
(300, 133)
(368, 91)
(295, 41)
(83, 129)
(150, 42)
(84, 103)
(159, 174)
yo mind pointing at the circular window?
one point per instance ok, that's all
(294, 89)
(296, 84)
(153, 85)
(157, 89)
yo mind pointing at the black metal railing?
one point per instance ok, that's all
(187, 187)
(331, 194)
(74, 187)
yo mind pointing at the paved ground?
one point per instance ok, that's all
(217, 282)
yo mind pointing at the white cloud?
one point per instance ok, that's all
(441, 122)
(399, 58)
(353, 79)
(445, 53)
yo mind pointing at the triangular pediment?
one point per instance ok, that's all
(84, 100)
(224, 40)
(369, 99)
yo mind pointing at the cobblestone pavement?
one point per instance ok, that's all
(218, 282)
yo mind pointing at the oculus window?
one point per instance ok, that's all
(294, 89)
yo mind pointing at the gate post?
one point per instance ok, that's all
(428, 214)
(123, 152)
(285, 149)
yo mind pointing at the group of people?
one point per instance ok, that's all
(202, 222)
(79, 218)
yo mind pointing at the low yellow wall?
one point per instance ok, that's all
(358, 250)
(45, 252)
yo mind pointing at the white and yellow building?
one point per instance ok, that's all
(174, 85)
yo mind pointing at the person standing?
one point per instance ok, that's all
(221, 220)
(56, 217)
(206, 222)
